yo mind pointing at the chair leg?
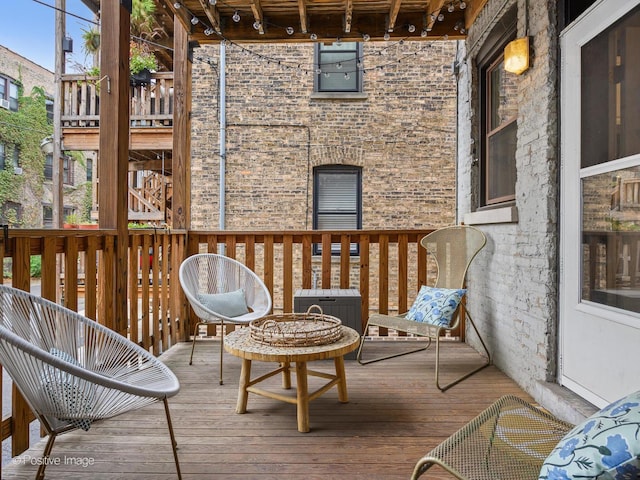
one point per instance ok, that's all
(193, 345)
(466, 375)
(377, 359)
(174, 444)
(222, 332)
(45, 455)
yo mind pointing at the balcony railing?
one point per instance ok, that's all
(387, 272)
(151, 105)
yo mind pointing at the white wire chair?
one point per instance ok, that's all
(211, 273)
(73, 371)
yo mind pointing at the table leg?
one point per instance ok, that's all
(286, 376)
(302, 397)
(245, 378)
(343, 396)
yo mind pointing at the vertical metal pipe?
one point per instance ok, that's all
(223, 132)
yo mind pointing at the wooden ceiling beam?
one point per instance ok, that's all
(433, 10)
(304, 21)
(256, 8)
(213, 15)
(348, 16)
(393, 14)
(181, 14)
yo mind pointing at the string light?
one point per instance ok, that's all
(194, 20)
(290, 30)
(236, 16)
(462, 5)
(177, 5)
(451, 8)
(441, 17)
(366, 37)
(411, 28)
(386, 36)
(213, 2)
(256, 25)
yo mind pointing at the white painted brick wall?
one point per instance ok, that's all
(513, 282)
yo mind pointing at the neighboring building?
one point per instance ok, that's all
(31, 206)
(548, 168)
(344, 136)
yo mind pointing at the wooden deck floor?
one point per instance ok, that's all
(394, 416)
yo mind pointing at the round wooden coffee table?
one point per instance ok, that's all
(240, 344)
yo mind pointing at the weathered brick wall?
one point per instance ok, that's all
(19, 68)
(513, 283)
(402, 135)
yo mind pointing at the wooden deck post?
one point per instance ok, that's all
(114, 155)
(181, 128)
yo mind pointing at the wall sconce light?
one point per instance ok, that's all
(516, 56)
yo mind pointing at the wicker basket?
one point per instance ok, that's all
(297, 329)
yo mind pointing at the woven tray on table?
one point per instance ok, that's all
(297, 329)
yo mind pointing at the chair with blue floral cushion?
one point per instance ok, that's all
(435, 310)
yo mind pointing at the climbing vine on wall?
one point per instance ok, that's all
(24, 129)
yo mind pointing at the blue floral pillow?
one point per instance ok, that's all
(605, 446)
(435, 305)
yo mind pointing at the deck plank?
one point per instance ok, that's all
(394, 416)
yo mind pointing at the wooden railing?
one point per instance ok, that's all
(388, 271)
(151, 105)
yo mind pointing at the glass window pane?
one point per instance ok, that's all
(337, 192)
(611, 239)
(610, 101)
(337, 222)
(504, 96)
(501, 168)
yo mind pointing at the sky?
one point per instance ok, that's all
(27, 27)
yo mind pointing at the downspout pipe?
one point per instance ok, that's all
(223, 133)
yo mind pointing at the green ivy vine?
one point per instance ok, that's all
(25, 130)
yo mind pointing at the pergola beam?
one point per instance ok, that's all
(348, 16)
(433, 10)
(213, 15)
(304, 21)
(393, 14)
(258, 16)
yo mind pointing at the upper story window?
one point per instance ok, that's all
(48, 167)
(498, 125)
(67, 172)
(89, 169)
(49, 106)
(337, 201)
(338, 67)
(9, 92)
(9, 155)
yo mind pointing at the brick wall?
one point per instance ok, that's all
(21, 69)
(513, 283)
(402, 135)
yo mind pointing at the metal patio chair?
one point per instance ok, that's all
(509, 440)
(211, 282)
(453, 249)
(73, 371)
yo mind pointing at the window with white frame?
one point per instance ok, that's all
(338, 67)
(9, 92)
(337, 201)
